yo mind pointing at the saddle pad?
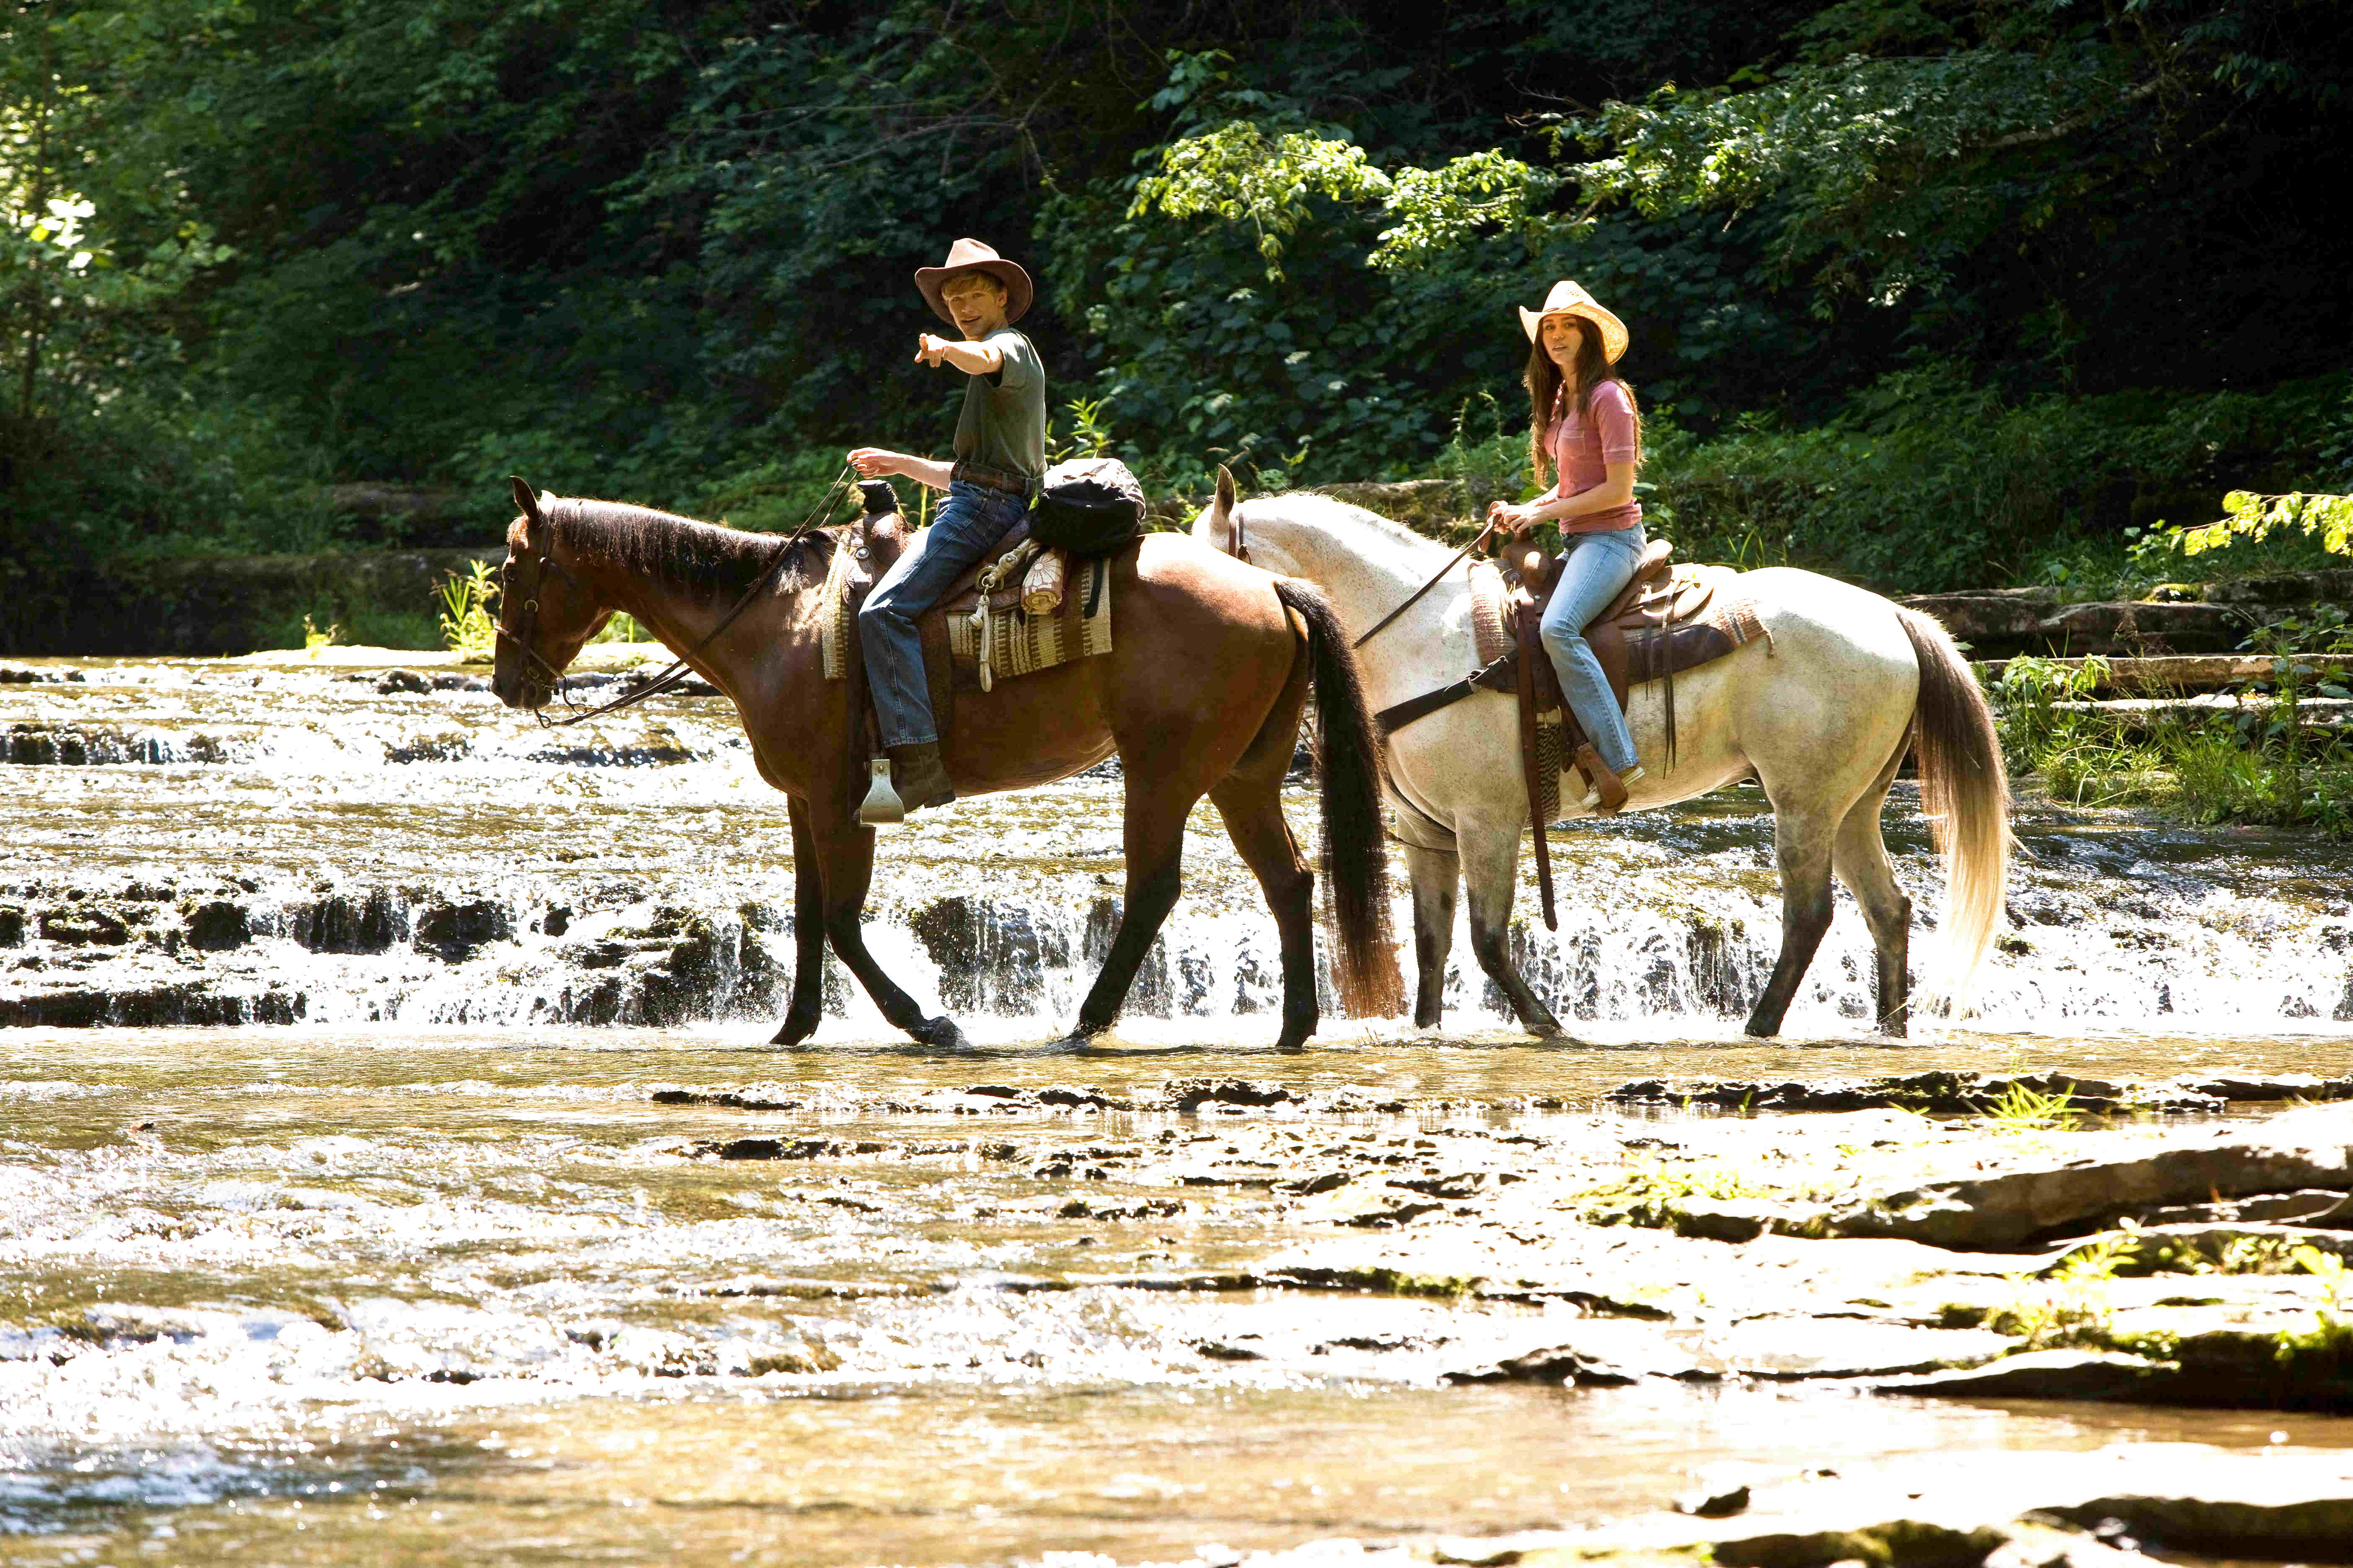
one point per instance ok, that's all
(1020, 643)
(1490, 638)
(1710, 618)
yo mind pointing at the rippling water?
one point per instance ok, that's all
(372, 1296)
(412, 1264)
(275, 841)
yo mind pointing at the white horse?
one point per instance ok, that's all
(1820, 712)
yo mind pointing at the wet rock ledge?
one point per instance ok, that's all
(2026, 1250)
(2299, 1512)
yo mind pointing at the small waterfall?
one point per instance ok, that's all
(524, 953)
(200, 842)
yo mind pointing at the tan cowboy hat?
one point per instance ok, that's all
(971, 256)
(1568, 299)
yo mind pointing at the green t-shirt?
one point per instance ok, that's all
(1003, 424)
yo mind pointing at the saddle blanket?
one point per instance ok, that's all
(1007, 639)
(1017, 641)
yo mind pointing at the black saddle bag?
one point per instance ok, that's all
(1088, 506)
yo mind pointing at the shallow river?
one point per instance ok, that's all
(466, 1216)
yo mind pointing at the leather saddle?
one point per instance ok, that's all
(1661, 595)
(1667, 619)
(877, 539)
(886, 535)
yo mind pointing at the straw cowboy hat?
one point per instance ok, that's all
(971, 256)
(1568, 299)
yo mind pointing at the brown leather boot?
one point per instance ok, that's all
(919, 775)
(1609, 792)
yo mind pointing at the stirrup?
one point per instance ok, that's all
(883, 807)
(1604, 792)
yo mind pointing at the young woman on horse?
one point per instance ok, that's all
(1585, 432)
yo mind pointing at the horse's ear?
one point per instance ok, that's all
(525, 501)
(1226, 496)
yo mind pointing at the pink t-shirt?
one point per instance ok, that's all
(1582, 446)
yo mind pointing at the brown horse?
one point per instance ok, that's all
(1201, 694)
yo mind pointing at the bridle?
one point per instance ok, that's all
(525, 636)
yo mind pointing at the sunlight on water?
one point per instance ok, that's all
(488, 1228)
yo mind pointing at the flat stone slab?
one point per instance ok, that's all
(2014, 1208)
(2180, 674)
(1982, 1509)
(2000, 624)
(2041, 1374)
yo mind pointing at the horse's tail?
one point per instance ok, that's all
(1354, 858)
(1965, 794)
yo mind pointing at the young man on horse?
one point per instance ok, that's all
(1001, 457)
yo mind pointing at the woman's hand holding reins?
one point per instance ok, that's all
(1514, 521)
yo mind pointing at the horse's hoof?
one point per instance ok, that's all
(1082, 1037)
(942, 1032)
(795, 1031)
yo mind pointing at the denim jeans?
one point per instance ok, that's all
(966, 526)
(1596, 570)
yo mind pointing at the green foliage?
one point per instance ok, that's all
(88, 251)
(621, 628)
(1863, 161)
(1237, 174)
(2074, 1308)
(1922, 296)
(1089, 436)
(2328, 518)
(2032, 726)
(469, 613)
(2024, 1108)
(2261, 765)
(2132, 1253)
(1645, 1194)
(1928, 482)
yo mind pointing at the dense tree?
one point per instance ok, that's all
(662, 248)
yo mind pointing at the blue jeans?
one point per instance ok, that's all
(1595, 569)
(966, 526)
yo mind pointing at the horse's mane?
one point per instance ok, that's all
(1313, 511)
(651, 543)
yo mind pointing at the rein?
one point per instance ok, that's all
(681, 668)
(1415, 597)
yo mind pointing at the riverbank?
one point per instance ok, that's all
(342, 1296)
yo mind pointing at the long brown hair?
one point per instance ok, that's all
(1543, 380)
